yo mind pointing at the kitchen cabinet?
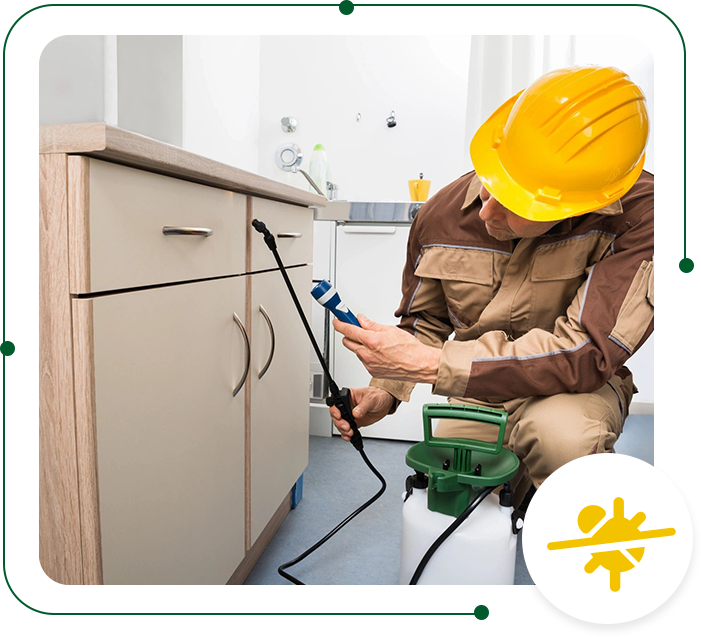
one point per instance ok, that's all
(164, 458)
(279, 419)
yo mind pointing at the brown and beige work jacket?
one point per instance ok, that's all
(558, 313)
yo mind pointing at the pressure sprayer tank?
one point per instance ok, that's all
(450, 472)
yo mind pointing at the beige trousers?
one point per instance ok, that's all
(546, 432)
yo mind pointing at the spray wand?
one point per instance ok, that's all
(340, 398)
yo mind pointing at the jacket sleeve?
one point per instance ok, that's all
(610, 317)
(422, 311)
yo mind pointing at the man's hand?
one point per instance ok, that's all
(370, 405)
(390, 352)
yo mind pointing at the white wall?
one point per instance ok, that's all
(221, 101)
(327, 80)
(150, 81)
(134, 82)
(72, 80)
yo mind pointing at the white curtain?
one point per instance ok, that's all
(502, 65)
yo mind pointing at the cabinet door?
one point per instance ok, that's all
(170, 433)
(375, 291)
(280, 399)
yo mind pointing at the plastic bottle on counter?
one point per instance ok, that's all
(319, 168)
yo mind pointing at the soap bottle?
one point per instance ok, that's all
(319, 167)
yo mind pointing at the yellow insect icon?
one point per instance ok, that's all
(617, 529)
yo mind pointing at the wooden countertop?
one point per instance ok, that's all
(131, 149)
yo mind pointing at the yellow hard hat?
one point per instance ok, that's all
(572, 142)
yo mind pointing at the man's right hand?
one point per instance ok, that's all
(370, 404)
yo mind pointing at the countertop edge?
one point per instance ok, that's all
(102, 141)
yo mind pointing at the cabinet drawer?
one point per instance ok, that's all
(117, 217)
(293, 227)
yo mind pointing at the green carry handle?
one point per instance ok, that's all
(463, 447)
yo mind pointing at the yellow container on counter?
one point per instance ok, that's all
(418, 188)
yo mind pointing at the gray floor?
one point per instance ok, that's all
(367, 550)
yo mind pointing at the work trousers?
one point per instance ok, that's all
(546, 432)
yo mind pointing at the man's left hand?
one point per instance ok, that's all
(390, 352)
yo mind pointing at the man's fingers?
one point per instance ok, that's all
(352, 345)
(342, 425)
(335, 413)
(353, 332)
(367, 324)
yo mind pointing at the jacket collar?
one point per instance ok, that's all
(473, 191)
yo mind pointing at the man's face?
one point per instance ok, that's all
(505, 225)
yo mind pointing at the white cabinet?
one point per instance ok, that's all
(279, 390)
(376, 292)
(170, 432)
(164, 459)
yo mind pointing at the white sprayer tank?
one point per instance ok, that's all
(449, 474)
(482, 550)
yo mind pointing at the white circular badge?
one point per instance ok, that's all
(607, 538)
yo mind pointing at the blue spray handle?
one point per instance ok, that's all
(326, 295)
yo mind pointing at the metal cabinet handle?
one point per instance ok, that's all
(238, 387)
(200, 232)
(272, 342)
(289, 235)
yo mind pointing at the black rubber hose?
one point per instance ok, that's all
(338, 527)
(343, 404)
(444, 536)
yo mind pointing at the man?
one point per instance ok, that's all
(541, 264)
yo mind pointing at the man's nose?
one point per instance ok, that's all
(491, 210)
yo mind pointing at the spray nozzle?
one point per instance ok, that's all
(262, 228)
(259, 226)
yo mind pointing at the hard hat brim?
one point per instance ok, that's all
(520, 200)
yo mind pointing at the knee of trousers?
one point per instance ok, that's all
(554, 430)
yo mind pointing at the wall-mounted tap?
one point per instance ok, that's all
(288, 157)
(288, 124)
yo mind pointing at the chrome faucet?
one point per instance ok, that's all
(288, 157)
(332, 191)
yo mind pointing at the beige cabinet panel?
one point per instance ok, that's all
(170, 434)
(117, 215)
(280, 399)
(293, 227)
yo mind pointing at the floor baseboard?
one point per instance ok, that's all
(642, 408)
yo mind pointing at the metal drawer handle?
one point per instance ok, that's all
(200, 232)
(289, 235)
(238, 387)
(272, 342)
